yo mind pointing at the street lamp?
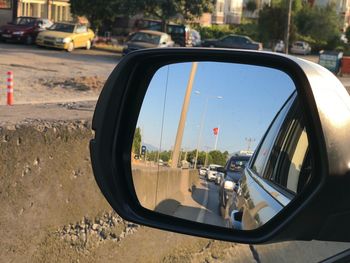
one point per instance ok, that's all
(203, 120)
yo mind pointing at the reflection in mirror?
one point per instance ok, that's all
(220, 143)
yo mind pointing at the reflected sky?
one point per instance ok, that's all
(251, 97)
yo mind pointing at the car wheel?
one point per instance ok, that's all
(70, 47)
(88, 45)
(29, 40)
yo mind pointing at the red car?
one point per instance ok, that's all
(24, 29)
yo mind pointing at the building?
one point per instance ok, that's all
(227, 12)
(55, 10)
(233, 12)
(218, 17)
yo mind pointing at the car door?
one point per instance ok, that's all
(82, 36)
(225, 42)
(279, 169)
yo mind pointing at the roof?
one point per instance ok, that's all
(153, 32)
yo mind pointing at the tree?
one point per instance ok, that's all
(319, 26)
(99, 12)
(217, 157)
(165, 10)
(272, 24)
(251, 6)
(136, 144)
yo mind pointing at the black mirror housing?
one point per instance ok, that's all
(321, 211)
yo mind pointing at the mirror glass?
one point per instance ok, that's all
(220, 143)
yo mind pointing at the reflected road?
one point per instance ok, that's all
(202, 205)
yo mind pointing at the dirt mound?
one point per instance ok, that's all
(83, 83)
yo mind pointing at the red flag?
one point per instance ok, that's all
(216, 131)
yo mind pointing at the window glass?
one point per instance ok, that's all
(81, 29)
(265, 148)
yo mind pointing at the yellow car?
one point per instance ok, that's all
(66, 36)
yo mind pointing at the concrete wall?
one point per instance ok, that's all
(153, 187)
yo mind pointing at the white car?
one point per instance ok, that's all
(301, 48)
(212, 172)
(203, 171)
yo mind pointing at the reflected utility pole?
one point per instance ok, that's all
(181, 126)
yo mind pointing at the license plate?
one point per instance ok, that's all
(6, 35)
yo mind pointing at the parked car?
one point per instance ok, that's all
(300, 48)
(68, 36)
(212, 172)
(279, 47)
(233, 41)
(24, 29)
(179, 33)
(232, 175)
(147, 39)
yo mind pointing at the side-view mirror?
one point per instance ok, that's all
(202, 107)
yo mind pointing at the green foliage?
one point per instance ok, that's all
(251, 6)
(218, 157)
(97, 11)
(321, 26)
(215, 31)
(347, 33)
(136, 144)
(271, 24)
(168, 9)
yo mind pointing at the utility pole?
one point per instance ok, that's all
(249, 142)
(216, 138)
(181, 126)
(286, 46)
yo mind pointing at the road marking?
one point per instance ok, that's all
(200, 217)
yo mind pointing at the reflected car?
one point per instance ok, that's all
(147, 39)
(67, 36)
(203, 171)
(300, 48)
(279, 169)
(231, 179)
(24, 29)
(233, 41)
(212, 172)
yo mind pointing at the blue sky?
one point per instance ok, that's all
(251, 97)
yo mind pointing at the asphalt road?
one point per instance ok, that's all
(203, 205)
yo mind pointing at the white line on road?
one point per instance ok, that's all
(200, 217)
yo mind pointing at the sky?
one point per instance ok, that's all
(241, 100)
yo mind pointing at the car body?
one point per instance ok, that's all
(24, 29)
(279, 46)
(212, 172)
(232, 176)
(179, 33)
(264, 188)
(300, 48)
(66, 35)
(147, 39)
(233, 41)
(203, 171)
